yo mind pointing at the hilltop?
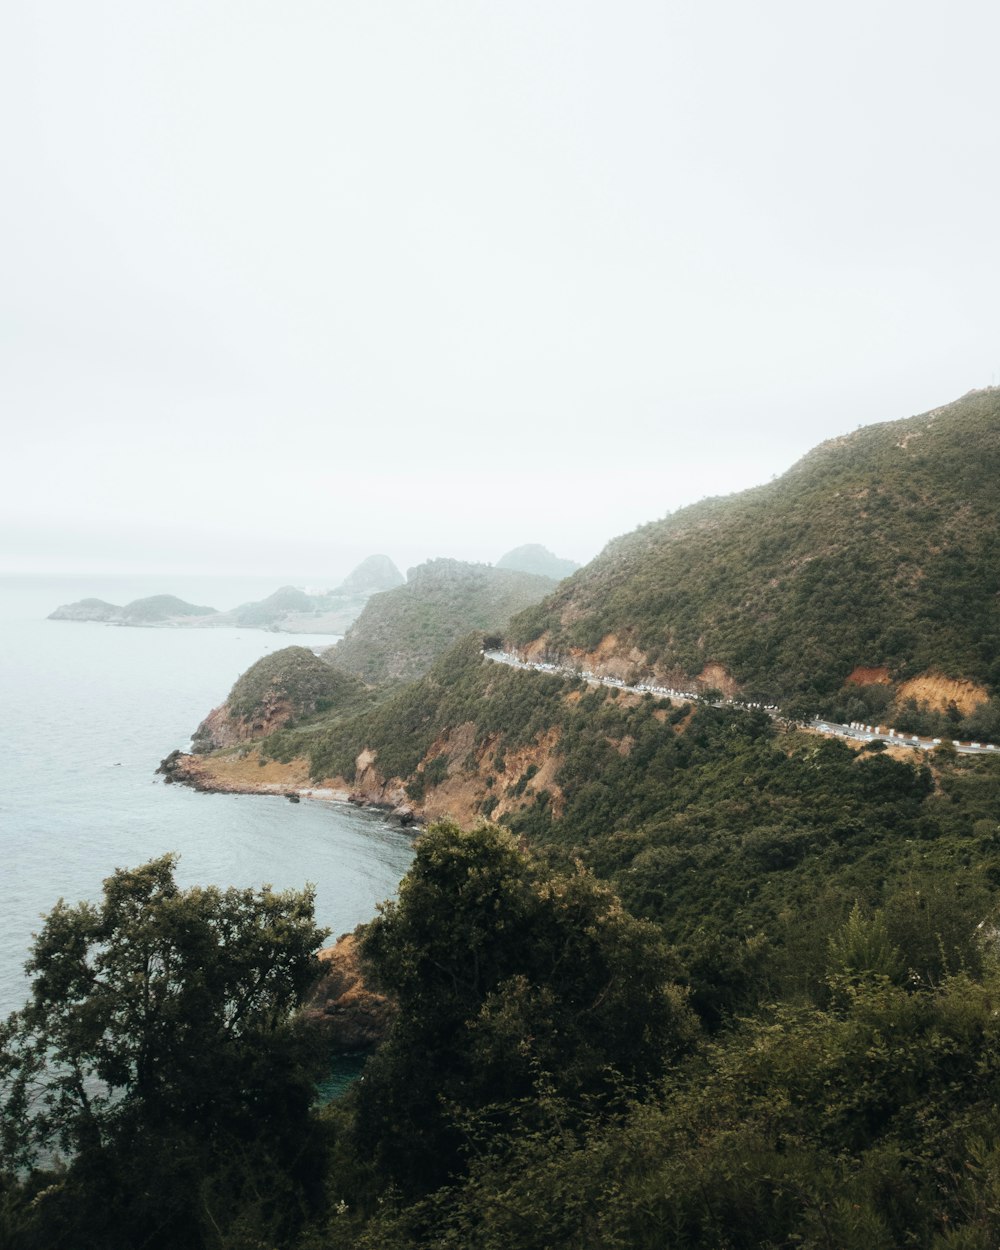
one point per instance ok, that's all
(402, 632)
(153, 610)
(534, 558)
(864, 579)
(273, 693)
(373, 574)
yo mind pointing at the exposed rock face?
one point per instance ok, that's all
(352, 1016)
(221, 728)
(715, 676)
(862, 676)
(614, 657)
(372, 789)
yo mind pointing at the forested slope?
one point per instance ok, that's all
(401, 632)
(711, 980)
(878, 550)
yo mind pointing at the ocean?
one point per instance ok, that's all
(90, 710)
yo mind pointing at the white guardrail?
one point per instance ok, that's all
(855, 730)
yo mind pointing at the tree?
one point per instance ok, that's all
(159, 1052)
(512, 982)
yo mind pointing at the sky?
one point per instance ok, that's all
(282, 284)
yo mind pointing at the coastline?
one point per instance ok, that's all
(241, 771)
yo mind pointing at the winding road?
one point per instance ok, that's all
(855, 731)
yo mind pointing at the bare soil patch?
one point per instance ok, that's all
(936, 692)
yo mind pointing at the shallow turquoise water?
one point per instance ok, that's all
(344, 1070)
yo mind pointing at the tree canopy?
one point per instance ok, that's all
(509, 978)
(159, 1054)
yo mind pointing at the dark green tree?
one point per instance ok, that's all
(511, 981)
(159, 1055)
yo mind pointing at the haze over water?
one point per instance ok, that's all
(90, 710)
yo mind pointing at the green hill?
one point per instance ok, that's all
(277, 691)
(879, 550)
(720, 981)
(830, 917)
(402, 632)
(159, 608)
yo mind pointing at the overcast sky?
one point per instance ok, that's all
(285, 283)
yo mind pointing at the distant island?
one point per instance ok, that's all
(288, 610)
(293, 610)
(154, 610)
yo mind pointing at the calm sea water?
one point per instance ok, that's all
(89, 711)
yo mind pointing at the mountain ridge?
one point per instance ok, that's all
(876, 549)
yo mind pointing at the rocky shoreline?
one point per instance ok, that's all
(234, 774)
(352, 1017)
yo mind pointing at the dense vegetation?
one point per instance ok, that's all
(402, 632)
(403, 723)
(711, 982)
(878, 548)
(290, 683)
(744, 842)
(831, 916)
(295, 674)
(740, 992)
(159, 1056)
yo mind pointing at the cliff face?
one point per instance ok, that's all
(221, 728)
